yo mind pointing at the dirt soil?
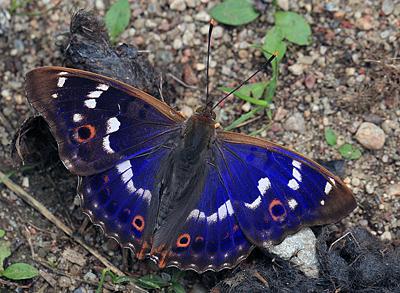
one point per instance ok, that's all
(348, 75)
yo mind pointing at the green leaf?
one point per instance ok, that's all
(349, 151)
(244, 118)
(330, 137)
(258, 89)
(4, 252)
(2, 233)
(260, 130)
(273, 42)
(271, 89)
(20, 271)
(244, 97)
(234, 12)
(177, 274)
(117, 18)
(151, 281)
(177, 288)
(294, 27)
(245, 90)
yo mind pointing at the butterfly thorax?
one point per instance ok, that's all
(198, 132)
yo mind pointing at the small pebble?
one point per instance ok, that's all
(139, 40)
(246, 107)
(99, 4)
(280, 114)
(384, 34)
(218, 32)
(297, 68)
(394, 190)
(350, 71)
(187, 111)
(192, 3)
(310, 81)
(283, 4)
(177, 44)
(300, 250)
(178, 5)
(360, 78)
(89, 276)
(295, 123)
(369, 188)
(370, 136)
(386, 236)
(189, 77)
(387, 7)
(355, 182)
(203, 16)
(200, 66)
(25, 182)
(64, 282)
(363, 24)
(243, 54)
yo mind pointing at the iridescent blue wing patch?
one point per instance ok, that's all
(277, 191)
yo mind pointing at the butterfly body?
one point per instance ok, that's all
(175, 189)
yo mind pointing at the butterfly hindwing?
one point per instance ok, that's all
(210, 237)
(124, 199)
(98, 122)
(276, 191)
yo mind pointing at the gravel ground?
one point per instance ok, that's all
(347, 76)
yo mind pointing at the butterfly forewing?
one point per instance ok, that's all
(98, 122)
(276, 191)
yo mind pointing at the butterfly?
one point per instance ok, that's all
(173, 189)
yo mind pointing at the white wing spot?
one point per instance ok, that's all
(61, 81)
(263, 185)
(54, 96)
(77, 118)
(95, 94)
(333, 181)
(125, 170)
(112, 125)
(293, 184)
(328, 188)
(296, 164)
(106, 145)
(296, 174)
(254, 204)
(292, 203)
(197, 214)
(102, 87)
(91, 104)
(63, 73)
(146, 194)
(322, 202)
(223, 211)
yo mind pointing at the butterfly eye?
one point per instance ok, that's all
(200, 110)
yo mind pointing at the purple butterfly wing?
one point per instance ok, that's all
(98, 122)
(277, 191)
(210, 238)
(123, 200)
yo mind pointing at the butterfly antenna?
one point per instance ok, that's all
(240, 85)
(208, 59)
